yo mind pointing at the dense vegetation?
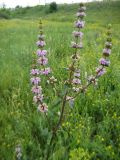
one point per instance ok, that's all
(65, 12)
(91, 130)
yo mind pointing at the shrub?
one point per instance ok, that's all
(53, 7)
(4, 15)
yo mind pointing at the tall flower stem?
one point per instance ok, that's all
(73, 63)
(75, 45)
(54, 131)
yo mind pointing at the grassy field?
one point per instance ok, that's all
(92, 129)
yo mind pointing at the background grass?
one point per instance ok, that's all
(91, 129)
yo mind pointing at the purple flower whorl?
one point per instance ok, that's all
(39, 62)
(40, 67)
(104, 61)
(74, 78)
(79, 24)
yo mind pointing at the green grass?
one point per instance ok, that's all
(92, 128)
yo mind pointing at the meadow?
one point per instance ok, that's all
(91, 130)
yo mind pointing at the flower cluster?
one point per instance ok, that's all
(18, 151)
(78, 36)
(76, 81)
(104, 61)
(40, 61)
(79, 24)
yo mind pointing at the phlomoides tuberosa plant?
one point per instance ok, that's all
(73, 84)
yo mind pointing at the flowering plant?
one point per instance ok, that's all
(73, 85)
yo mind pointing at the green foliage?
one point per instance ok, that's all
(79, 154)
(18, 7)
(53, 7)
(66, 12)
(92, 128)
(5, 13)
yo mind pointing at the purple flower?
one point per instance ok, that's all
(75, 45)
(18, 151)
(79, 24)
(78, 34)
(43, 108)
(35, 80)
(43, 60)
(100, 71)
(106, 51)
(41, 43)
(34, 72)
(37, 98)
(77, 70)
(46, 71)
(37, 89)
(41, 52)
(77, 74)
(76, 81)
(81, 14)
(104, 62)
